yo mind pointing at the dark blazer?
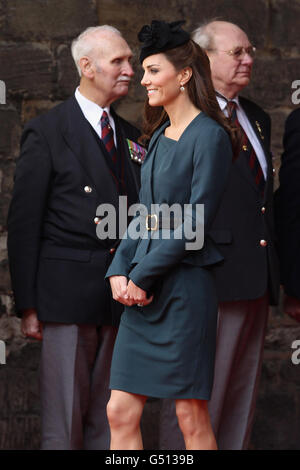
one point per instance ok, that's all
(244, 219)
(287, 207)
(64, 172)
(201, 158)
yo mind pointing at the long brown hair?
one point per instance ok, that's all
(200, 90)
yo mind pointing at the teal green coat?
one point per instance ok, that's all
(167, 348)
(196, 173)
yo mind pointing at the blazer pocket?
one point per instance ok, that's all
(66, 253)
(221, 237)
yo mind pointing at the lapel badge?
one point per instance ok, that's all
(259, 130)
(137, 152)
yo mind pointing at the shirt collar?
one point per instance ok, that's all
(91, 110)
(223, 101)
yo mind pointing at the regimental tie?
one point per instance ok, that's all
(108, 136)
(248, 150)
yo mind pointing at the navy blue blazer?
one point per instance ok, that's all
(244, 225)
(64, 173)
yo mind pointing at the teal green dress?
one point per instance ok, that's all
(167, 348)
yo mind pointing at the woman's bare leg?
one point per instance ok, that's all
(124, 411)
(194, 422)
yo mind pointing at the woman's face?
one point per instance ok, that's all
(161, 80)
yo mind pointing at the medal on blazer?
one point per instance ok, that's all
(137, 152)
(259, 129)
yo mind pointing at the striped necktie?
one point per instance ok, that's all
(108, 136)
(247, 148)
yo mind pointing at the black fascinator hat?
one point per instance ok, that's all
(161, 36)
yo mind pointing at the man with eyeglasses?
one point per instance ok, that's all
(247, 279)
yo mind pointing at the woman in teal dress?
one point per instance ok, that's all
(166, 341)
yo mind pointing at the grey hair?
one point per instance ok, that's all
(203, 35)
(84, 44)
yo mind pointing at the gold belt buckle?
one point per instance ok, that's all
(147, 222)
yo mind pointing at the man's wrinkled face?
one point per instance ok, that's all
(230, 63)
(113, 70)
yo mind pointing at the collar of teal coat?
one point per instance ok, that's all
(156, 134)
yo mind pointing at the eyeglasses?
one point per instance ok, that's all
(239, 52)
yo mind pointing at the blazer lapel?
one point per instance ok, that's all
(257, 126)
(241, 162)
(79, 137)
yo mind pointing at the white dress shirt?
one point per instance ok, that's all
(244, 122)
(93, 113)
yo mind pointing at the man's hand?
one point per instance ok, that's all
(30, 325)
(291, 306)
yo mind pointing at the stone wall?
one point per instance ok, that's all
(37, 69)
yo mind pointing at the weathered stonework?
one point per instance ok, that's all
(36, 65)
(32, 65)
(43, 20)
(68, 77)
(10, 132)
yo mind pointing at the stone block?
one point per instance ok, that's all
(132, 111)
(68, 77)
(284, 25)
(4, 276)
(39, 19)
(270, 370)
(281, 338)
(278, 117)
(26, 356)
(272, 79)
(23, 392)
(8, 170)
(6, 304)
(289, 372)
(2, 19)
(129, 13)
(10, 332)
(20, 432)
(19, 399)
(275, 423)
(30, 73)
(33, 108)
(4, 204)
(3, 250)
(10, 131)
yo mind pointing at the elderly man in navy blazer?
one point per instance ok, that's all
(247, 280)
(73, 158)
